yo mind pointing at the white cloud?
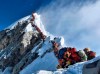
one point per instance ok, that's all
(79, 25)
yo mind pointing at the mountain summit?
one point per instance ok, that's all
(26, 48)
(24, 42)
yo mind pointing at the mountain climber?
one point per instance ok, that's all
(82, 55)
(41, 34)
(74, 55)
(86, 50)
(61, 53)
(63, 58)
(33, 17)
(61, 63)
(90, 54)
(66, 54)
(56, 48)
(69, 56)
(60, 57)
(67, 59)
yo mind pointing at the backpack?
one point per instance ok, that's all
(84, 58)
(91, 55)
(82, 55)
(75, 57)
(61, 53)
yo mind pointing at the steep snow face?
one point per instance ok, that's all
(37, 22)
(74, 69)
(46, 46)
(46, 60)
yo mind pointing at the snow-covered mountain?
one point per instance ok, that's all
(27, 48)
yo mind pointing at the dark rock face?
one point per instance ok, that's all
(15, 44)
(9, 36)
(4, 39)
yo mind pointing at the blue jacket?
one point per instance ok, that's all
(61, 52)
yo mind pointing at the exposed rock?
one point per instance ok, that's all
(15, 43)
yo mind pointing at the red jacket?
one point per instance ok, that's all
(74, 55)
(91, 55)
(71, 50)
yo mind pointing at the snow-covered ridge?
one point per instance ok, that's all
(38, 23)
(20, 20)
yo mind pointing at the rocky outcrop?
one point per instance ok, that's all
(15, 44)
(9, 36)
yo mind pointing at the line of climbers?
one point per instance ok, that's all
(68, 56)
(36, 27)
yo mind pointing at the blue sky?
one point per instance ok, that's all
(12, 10)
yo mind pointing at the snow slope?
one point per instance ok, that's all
(74, 69)
(47, 62)
(47, 66)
